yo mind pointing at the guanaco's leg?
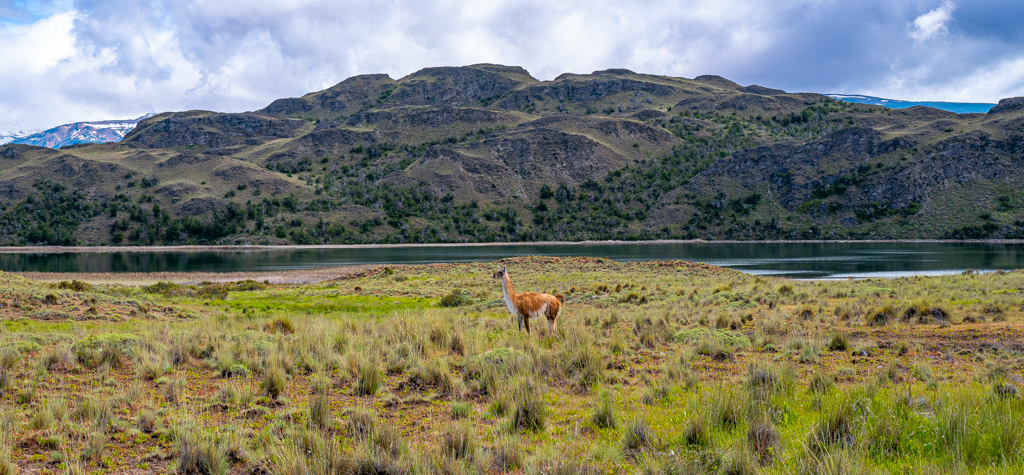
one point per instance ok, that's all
(551, 325)
(526, 321)
(519, 319)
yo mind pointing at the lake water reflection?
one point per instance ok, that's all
(814, 260)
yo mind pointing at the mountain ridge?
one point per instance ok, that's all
(487, 153)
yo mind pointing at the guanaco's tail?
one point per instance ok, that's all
(560, 297)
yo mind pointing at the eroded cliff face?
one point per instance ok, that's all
(487, 152)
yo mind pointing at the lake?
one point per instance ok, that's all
(806, 260)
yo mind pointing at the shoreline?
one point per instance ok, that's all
(296, 276)
(289, 247)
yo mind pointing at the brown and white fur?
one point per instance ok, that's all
(529, 305)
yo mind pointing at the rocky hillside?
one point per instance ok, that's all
(488, 153)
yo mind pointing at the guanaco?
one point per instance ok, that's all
(529, 304)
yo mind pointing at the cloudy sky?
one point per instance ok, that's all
(70, 60)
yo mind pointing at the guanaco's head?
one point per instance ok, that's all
(500, 274)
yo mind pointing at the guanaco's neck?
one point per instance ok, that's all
(510, 294)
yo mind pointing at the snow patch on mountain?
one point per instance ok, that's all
(100, 131)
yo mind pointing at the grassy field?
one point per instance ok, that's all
(657, 367)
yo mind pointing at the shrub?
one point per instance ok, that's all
(76, 285)
(110, 348)
(701, 334)
(457, 298)
(1005, 390)
(236, 370)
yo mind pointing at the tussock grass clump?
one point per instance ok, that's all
(319, 412)
(603, 414)
(922, 313)
(436, 373)
(146, 421)
(8, 358)
(764, 440)
(58, 358)
(96, 410)
(273, 381)
(95, 445)
(150, 366)
(460, 409)
(459, 441)
(637, 437)
(492, 370)
(805, 313)
(652, 332)
(42, 418)
(387, 438)
(279, 325)
(507, 454)
(725, 407)
(836, 429)
(200, 452)
(360, 423)
(369, 380)
(696, 432)
(528, 409)
(821, 383)
(840, 341)
(881, 316)
(739, 461)
(583, 362)
(7, 467)
(304, 451)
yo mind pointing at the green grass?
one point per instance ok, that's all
(622, 387)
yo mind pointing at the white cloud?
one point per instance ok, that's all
(933, 23)
(100, 59)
